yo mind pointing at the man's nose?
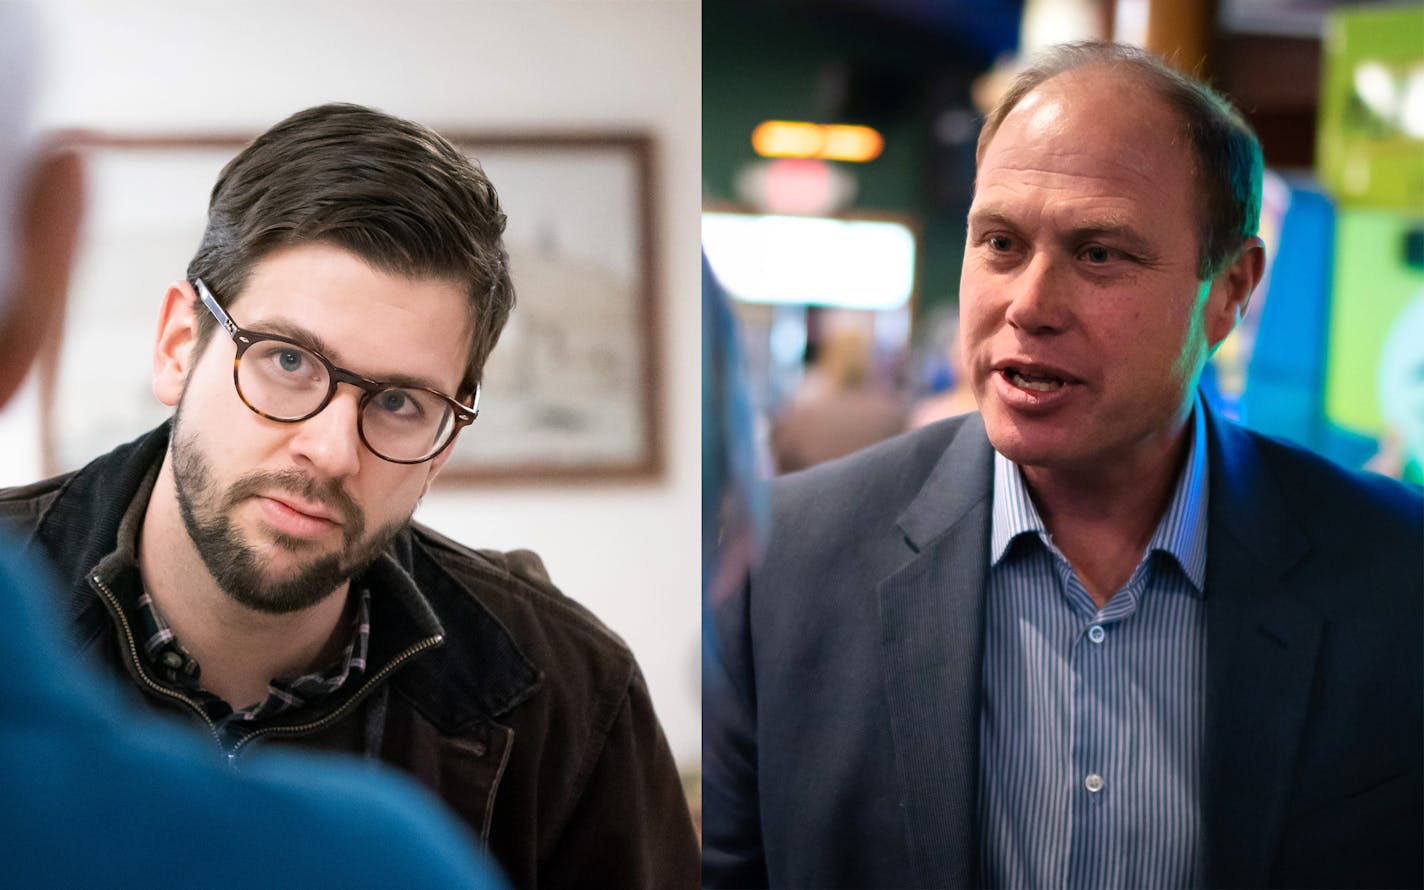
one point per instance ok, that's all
(330, 441)
(1039, 298)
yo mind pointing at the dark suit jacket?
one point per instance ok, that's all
(843, 687)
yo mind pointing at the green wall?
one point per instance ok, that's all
(763, 61)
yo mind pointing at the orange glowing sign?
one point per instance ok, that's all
(827, 142)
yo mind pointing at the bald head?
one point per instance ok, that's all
(1224, 152)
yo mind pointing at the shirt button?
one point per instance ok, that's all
(1094, 783)
(172, 659)
(1096, 633)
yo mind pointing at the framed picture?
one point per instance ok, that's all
(571, 391)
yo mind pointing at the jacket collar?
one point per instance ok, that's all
(960, 480)
(481, 672)
(80, 527)
(478, 672)
(1180, 532)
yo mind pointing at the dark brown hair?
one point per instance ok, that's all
(1226, 155)
(392, 192)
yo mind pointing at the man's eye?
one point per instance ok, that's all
(290, 360)
(1097, 254)
(397, 402)
(1000, 243)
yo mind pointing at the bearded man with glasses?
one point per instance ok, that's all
(252, 565)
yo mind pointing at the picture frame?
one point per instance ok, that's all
(572, 390)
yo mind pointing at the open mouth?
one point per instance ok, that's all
(1033, 382)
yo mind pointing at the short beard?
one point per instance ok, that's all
(236, 567)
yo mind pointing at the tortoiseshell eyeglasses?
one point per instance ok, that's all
(282, 380)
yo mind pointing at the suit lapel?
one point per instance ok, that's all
(931, 622)
(1261, 652)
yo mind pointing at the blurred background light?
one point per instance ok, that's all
(856, 264)
(1411, 104)
(827, 142)
(1376, 88)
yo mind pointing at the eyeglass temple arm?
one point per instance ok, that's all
(208, 300)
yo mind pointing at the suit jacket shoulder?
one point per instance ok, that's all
(1287, 508)
(902, 486)
(1338, 501)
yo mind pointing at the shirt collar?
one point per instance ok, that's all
(1180, 533)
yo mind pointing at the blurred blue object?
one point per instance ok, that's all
(1285, 380)
(1286, 334)
(100, 794)
(733, 501)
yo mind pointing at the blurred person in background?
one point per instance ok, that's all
(98, 793)
(1092, 635)
(950, 392)
(252, 566)
(838, 408)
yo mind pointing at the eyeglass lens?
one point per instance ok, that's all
(287, 382)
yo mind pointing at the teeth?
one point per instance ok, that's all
(1037, 384)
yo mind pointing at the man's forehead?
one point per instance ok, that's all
(1040, 110)
(1096, 114)
(377, 324)
(1106, 93)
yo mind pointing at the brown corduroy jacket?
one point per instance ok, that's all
(527, 716)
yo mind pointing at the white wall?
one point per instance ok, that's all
(627, 551)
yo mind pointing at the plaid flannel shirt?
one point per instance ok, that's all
(171, 662)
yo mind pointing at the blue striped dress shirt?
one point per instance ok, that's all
(1092, 724)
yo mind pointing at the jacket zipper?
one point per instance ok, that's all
(355, 699)
(113, 603)
(301, 729)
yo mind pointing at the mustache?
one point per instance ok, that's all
(329, 494)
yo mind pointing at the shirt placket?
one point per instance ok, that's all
(1101, 734)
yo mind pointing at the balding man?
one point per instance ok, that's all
(1092, 635)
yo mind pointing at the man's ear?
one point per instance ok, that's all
(1231, 291)
(175, 350)
(51, 205)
